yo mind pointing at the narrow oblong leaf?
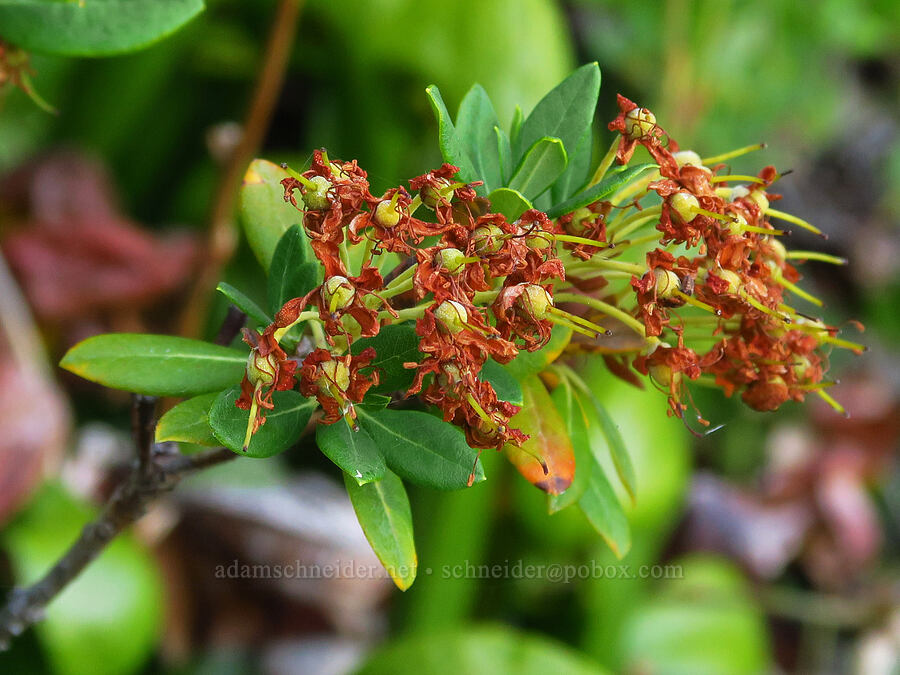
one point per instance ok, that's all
(515, 125)
(353, 451)
(452, 148)
(542, 164)
(422, 448)
(475, 124)
(575, 176)
(510, 203)
(507, 387)
(394, 345)
(564, 113)
(244, 303)
(155, 365)
(383, 511)
(617, 450)
(617, 178)
(504, 151)
(188, 422)
(290, 275)
(546, 459)
(604, 511)
(284, 424)
(265, 216)
(571, 410)
(94, 27)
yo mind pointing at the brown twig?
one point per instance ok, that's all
(221, 237)
(25, 606)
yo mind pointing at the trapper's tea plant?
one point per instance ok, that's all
(412, 330)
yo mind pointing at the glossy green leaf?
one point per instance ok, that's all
(604, 511)
(617, 450)
(510, 203)
(576, 174)
(616, 179)
(422, 448)
(478, 649)
(394, 345)
(93, 27)
(531, 363)
(506, 386)
(265, 215)
(290, 275)
(244, 303)
(284, 424)
(504, 152)
(566, 112)
(188, 422)
(113, 608)
(382, 509)
(353, 451)
(155, 365)
(571, 410)
(542, 164)
(475, 124)
(452, 148)
(376, 401)
(515, 125)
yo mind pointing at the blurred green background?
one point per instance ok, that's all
(817, 81)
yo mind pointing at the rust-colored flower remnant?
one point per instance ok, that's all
(704, 295)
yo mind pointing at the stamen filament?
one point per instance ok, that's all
(580, 320)
(691, 300)
(736, 176)
(254, 408)
(310, 315)
(713, 214)
(717, 159)
(604, 307)
(815, 255)
(796, 290)
(762, 230)
(605, 163)
(397, 289)
(579, 240)
(825, 396)
(637, 270)
(305, 182)
(756, 304)
(554, 318)
(781, 215)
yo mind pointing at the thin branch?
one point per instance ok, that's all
(25, 606)
(221, 237)
(231, 326)
(142, 427)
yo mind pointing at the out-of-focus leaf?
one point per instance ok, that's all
(112, 608)
(475, 124)
(531, 363)
(571, 410)
(617, 450)
(542, 164)
(616, 178)
(510, 203)
(566, 112)
(515, 125)
(155, 365)
(504, 151)
(282, 429)
(506, 386)
(264, 213)
(701, 620)
(188, 422)
(478, 649)
(421, 448)
(244, 303)
(546, 459)
(394, 345)
(94, 27)
(382, 508)
(575, 175)
(452, 147)
(290, 275)
(604, 510)
(353, 451)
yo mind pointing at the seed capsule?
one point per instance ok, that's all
(451, 316)
(387, 214)
(535, 301)
(667, 282)
(335, 374)
(639, 123)
(685, 205)
(260, 369)
(451, 259)
(487, 239)
(316, 198)
(431, 196)
(338, 293)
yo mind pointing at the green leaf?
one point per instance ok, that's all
(376, 401)
(566, 112)
(188, 422)
(604, 511)
(576, 174)
(422, 448)
(155, 365)
(112, 608)
(574, 416)
(92, 28)
(394, 345)
(353, 451)
(544, 162)
(527, 364)
(504, 152)
(506, 386)
(617, 178)
(284, 424)
(475, 124)
(510, 203)
(452, 148)
(290, 275)
(382, 509)
(244, 303)
(265, 215)
(617, 450)
(515, 125)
